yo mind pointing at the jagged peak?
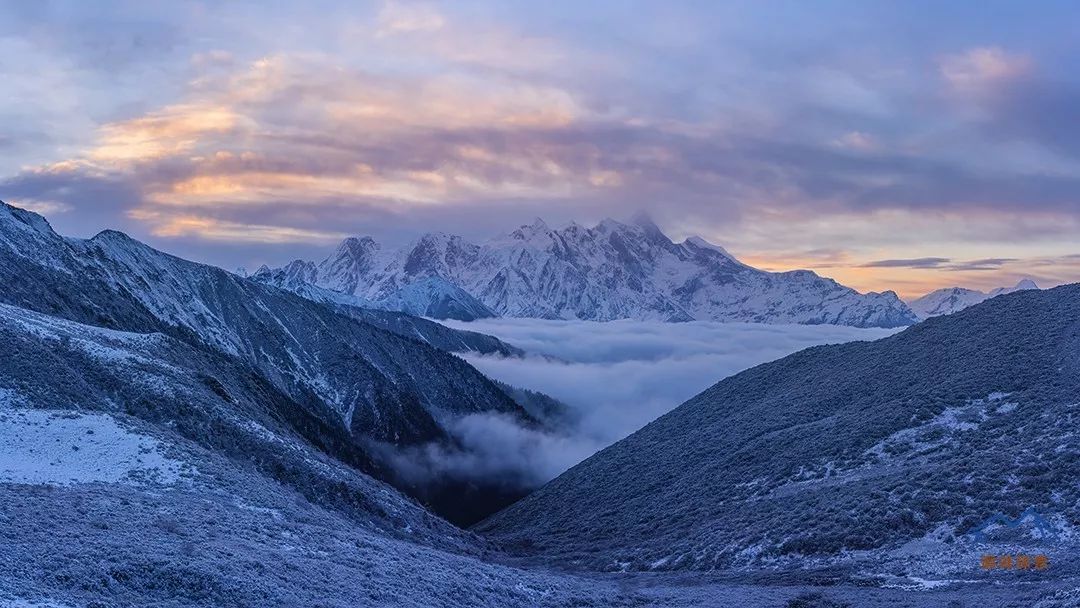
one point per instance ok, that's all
(527, 232)
(437, 241)
(357, 240)
(356, 245)
(298, 264)
(538, 224)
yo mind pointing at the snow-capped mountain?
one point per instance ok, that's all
(952, 299)
(870, 456)
(611, 271)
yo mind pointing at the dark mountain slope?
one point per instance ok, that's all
(363, 383)
(139, 470)
(381, 385)
(210, 400)
(854, 447)
(430, 332)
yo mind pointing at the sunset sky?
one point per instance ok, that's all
(890, 145)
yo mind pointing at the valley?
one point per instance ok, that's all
(192, 437)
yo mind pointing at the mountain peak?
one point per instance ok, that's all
(539, 224)
(526, 232)
(356, 246)
(26, 217)
(1025, 284)
(953, 299)
(119, 241)
(111, 235)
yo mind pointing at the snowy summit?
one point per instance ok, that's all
(613, 270)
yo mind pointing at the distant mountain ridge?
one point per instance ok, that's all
(952, 299)
(611, 271)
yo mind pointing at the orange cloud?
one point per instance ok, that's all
(172, 130)
(166, 225)
(303, 130)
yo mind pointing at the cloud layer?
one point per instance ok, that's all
(616, 377)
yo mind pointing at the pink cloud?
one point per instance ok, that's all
(983, 68)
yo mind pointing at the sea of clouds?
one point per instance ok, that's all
(616, 376)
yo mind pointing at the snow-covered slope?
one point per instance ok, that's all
(372, 384)
(167, 387)
(138, 470)
(880, 456)
(427, 296)
(611, 271)
(952, 299)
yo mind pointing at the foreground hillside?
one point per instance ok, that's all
(374, 377)
(880, 456)
(376, 383)
(137, 470)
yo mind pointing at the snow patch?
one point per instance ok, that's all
(63, 448)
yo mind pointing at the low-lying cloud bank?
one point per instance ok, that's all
(620, 375)
(494, 449)
(615, 376)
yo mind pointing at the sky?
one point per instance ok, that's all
(890, 145)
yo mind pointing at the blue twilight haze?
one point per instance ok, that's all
(844, 137)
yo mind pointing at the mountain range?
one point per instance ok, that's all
(952, 299)
(611, 271)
